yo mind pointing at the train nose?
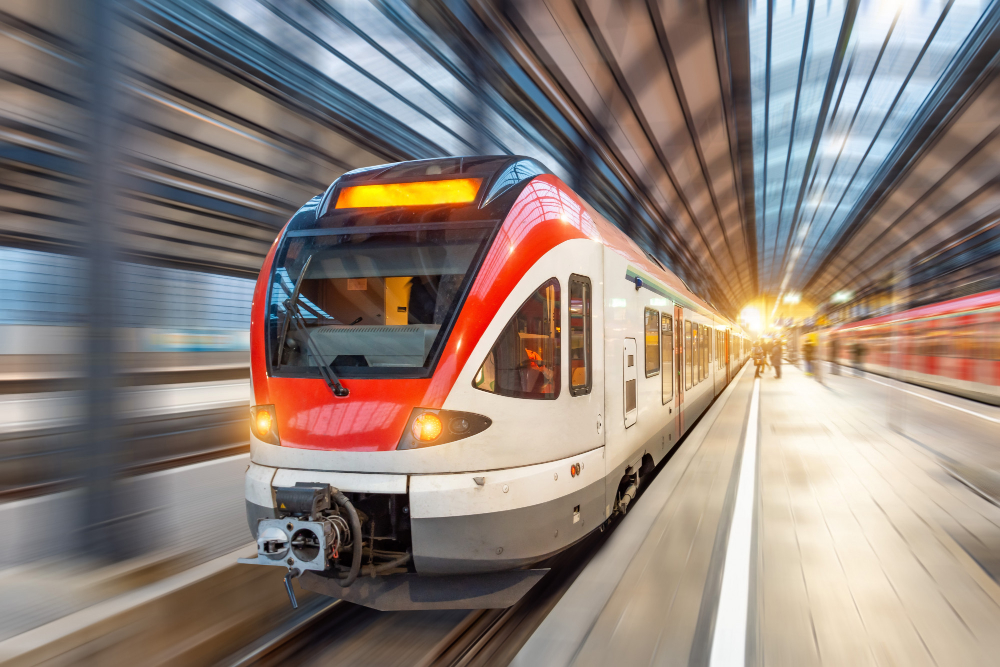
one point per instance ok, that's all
(273, 542)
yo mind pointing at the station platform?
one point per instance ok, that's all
(847, 522)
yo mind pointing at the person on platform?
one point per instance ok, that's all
(809, 353)
(859, 358)
(757, 354)
(776, 358)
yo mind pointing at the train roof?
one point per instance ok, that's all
(981, 301)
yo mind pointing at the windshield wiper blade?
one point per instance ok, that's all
(325, 369)
(291, 308)
(292, 313)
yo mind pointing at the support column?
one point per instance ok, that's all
(101, 445)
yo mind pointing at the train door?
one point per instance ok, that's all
(667, 376)
(679, 366)
(630, 375)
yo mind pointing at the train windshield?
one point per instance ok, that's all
(371, 295)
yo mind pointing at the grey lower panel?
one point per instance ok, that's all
(257, 512)
(505, 540)
(404, 592)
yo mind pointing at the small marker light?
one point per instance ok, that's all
(460, 425)
(427, 427)
(263, 423)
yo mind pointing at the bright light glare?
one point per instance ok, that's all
(842, 296)
(792, 298)
(263, 422)
(427, 427)
(750, 317)
(453, 191)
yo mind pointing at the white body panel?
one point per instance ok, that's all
(502, 490)
(350, 482)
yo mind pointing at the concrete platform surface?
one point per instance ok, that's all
(874, 538)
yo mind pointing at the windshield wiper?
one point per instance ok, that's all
(292, 313)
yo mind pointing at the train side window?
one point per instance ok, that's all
(580, 352)
(695, 354)
(713, 336)
(652, 341)
(709, 351)
(706, 347)
(524, 362)
(687, 355)
(700, 359)
(667, 355)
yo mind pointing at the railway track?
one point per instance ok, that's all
(335, 632)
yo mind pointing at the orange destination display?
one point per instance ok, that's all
(424, 193)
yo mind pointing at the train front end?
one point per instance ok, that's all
(366, 311)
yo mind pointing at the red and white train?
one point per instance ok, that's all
(952, 346)
(460, 368)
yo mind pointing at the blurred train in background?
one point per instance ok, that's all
(953, 346)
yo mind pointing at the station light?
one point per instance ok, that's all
(751, 319)
(422, 193)
(792, 298)
(842, 296)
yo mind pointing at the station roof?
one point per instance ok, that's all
(793, 146)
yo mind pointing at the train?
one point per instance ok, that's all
(459, 369)
(952, 346)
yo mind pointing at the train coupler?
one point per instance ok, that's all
(305, 536)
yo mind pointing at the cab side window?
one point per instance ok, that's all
(580, 353)
(524, 362)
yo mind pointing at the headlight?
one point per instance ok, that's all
(427, 427)
(264, 423)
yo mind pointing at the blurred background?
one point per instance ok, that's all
(150, 151)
